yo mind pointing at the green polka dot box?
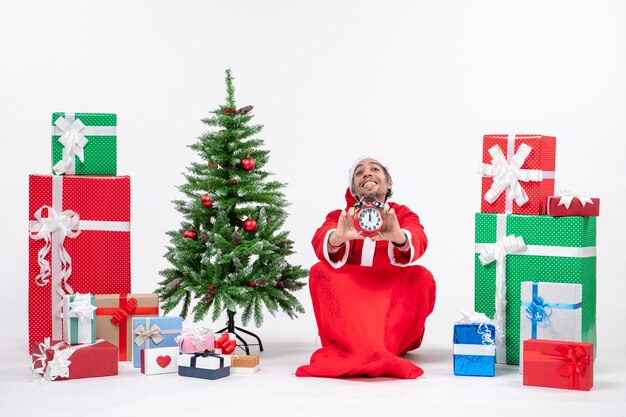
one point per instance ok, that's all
(510, 249)
(84, 143)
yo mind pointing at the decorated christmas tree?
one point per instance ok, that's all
(231, 254)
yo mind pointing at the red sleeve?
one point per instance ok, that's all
(319, 240)
(410, 222)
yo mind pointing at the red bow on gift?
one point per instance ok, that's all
(228, 346)
(123, 312)
(576, 360)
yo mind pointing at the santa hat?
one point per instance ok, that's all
(357, 162)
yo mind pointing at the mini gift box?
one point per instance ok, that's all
(205, 365)
(115, 314)
(558, 364)
(151, 332)
(193, 340)
(551, 311)
(79, 318)
(225, 343)
(84, 143)
(56, 360)
(474, 349)
(159, 360)
(570, 203)
(244, 364)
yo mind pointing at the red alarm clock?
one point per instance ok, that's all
(368, 216)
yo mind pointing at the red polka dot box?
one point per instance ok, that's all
(518, 173)
(79, 243)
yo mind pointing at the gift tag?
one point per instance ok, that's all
(159, 360)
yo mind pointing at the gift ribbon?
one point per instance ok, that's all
(205, 354)
(507, 174)
(147, 333)
(228, 346)
(574, 358)
(497, 253)
(538, 311)
(54, 236)
(82, 311)
(532, 250)
(200, 338)
(73, 143)
(568, 195)
(123, 308)
(59, 365)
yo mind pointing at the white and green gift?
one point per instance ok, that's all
(79, 318)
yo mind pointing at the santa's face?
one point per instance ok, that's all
(369, 180)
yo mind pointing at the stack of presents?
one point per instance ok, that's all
(82, 315)
(535, 271)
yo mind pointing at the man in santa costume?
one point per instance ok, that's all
(369, 297)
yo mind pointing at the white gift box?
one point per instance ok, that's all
(550, 311)
(159, 360)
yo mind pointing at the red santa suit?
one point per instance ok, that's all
(370, 301)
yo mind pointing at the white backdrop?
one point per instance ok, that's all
(416, 83)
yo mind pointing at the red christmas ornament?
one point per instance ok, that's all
(206, 201)
(211, 286)
(251, 284)
(279, 284)
(190, 234)
(247, 163)
(230, 111)
(232, 181)
(249, 225)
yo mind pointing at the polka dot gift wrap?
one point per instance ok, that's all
(79, 242)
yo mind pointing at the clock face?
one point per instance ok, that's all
(370, 219)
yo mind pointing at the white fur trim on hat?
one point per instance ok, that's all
(357, 162)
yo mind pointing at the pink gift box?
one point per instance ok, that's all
(195, 340)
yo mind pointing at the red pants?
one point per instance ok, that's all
(366, 317)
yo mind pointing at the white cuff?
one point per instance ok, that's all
(343, 260)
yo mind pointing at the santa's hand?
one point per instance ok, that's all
(345, 229)
(391, 229)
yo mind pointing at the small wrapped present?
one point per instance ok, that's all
(225, 343)
(518, 173)
(56, 360)
(244, 364)
(193, 340)
(79, 318)
(78, 243)
(551, 311)
(474, 346)
(558, 364)
(159, 361)
(572, 203)
(115, 314)
(151, 332)
(84, 143)
(205, 365)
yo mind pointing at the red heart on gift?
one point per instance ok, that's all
(163, 361)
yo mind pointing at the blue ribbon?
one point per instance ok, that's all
(538, 311)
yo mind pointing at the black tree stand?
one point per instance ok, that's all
(230, 328)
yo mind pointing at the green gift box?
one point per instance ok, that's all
(84, 143)
(513, 248)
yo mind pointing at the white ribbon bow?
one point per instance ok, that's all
(65, 224)
(473, 317)
(81, 307)
(58, 367)
(153, 333)
(199, 336)
(568, 195)
(508, 175)
(73, 143)
(504, 246)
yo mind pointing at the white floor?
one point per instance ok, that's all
(276, 391)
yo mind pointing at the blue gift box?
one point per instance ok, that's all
(474, 349)
(152, 332)
(205, 365)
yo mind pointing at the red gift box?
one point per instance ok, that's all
(57, 360)
(558, 364)
(80, 242)
(518, 173)
(571, 204)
